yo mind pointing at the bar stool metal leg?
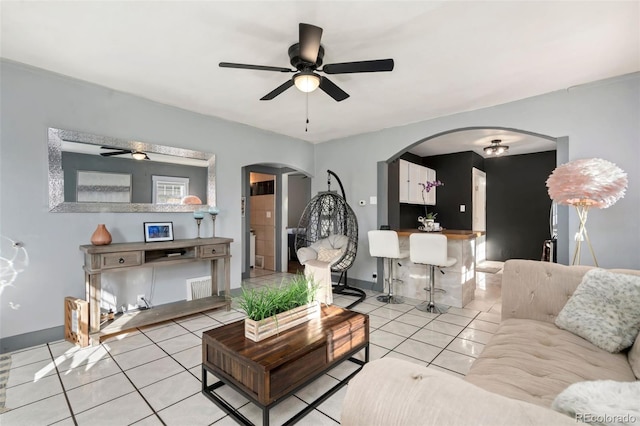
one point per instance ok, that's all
(390, 297)
(430, 305)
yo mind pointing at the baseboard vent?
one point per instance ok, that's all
(197, 288)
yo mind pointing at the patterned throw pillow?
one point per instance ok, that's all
(605, 310)
(328, 255)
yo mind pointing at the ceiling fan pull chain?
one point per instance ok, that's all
(306, 127)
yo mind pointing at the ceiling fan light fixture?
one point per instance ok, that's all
(306, 81)
(496, 148)
(137, 155)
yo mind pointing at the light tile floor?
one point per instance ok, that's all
(152, 376)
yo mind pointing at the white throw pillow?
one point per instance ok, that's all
(328, 255)
(604, 310)
(603, 402)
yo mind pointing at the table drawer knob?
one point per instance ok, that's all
(121, 260)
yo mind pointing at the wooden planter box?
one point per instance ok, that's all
(260, 330)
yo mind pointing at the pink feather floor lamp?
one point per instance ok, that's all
(586, 183)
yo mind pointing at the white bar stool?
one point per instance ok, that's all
(430, 250)
(385, 244)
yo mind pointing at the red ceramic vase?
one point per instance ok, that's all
(101, 237)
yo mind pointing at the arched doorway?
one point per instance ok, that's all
(511, 209)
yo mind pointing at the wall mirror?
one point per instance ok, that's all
(90, 173)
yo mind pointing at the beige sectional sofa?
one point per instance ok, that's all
(514, 381)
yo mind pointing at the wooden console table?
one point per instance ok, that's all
(115, 257)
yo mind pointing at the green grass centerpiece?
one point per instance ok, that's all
(272, 310)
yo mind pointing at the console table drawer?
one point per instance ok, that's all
(121, 260)
(213, 250)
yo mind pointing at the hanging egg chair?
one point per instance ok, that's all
(327, 215)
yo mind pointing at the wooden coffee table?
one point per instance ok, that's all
(269, 371)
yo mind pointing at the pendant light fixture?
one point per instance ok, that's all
(496, 148)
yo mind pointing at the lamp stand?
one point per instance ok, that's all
(581, 235)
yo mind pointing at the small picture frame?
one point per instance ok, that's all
(158, 231)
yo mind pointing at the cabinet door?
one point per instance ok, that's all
(403, 181)
(431, 195)
(417, 175)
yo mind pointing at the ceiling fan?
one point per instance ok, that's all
(306, 57)
(137, 155)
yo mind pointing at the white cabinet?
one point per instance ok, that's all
(410, 190)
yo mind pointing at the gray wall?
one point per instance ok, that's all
(599, 119)
(33, 100)
(299, 196)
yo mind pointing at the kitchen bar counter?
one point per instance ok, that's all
(459, 280)
(452, 234)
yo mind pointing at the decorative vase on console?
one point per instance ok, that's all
(101, 236)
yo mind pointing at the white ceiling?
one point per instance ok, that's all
(449, 56)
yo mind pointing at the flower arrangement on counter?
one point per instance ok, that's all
(428, 185)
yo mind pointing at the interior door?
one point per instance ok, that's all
(479, 200)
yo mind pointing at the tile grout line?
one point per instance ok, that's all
(64, 390)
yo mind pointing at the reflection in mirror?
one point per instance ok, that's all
(90, 173)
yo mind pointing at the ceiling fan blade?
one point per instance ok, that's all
(254, 67)
(332, 90)
(284, 86)
(110, 154)
(377, 65)
(309, 38)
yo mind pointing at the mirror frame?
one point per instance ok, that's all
(56, 176)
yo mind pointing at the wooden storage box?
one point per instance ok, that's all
(76, 321)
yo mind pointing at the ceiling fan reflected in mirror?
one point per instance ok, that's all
(306, 57)
(136, 155)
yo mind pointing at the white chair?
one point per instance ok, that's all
(430, 250)
(385, 244)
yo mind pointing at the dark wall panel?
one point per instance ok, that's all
(518, 205)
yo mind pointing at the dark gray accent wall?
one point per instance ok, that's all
(518, 205)
(454, 170)
(141, 174)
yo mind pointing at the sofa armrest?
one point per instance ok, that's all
(537, 290)
(391, 391)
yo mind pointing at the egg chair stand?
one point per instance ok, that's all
(329, 214)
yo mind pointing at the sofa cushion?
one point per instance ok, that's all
(534, 361)
(329, 255)
(606, 402)
(391, 391)
(604, 310)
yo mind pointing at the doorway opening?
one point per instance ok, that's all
(273, 197)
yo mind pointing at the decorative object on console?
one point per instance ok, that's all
(158, 231)
(586, 183)
(101, 236)
(198, 215)
(213, 211)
